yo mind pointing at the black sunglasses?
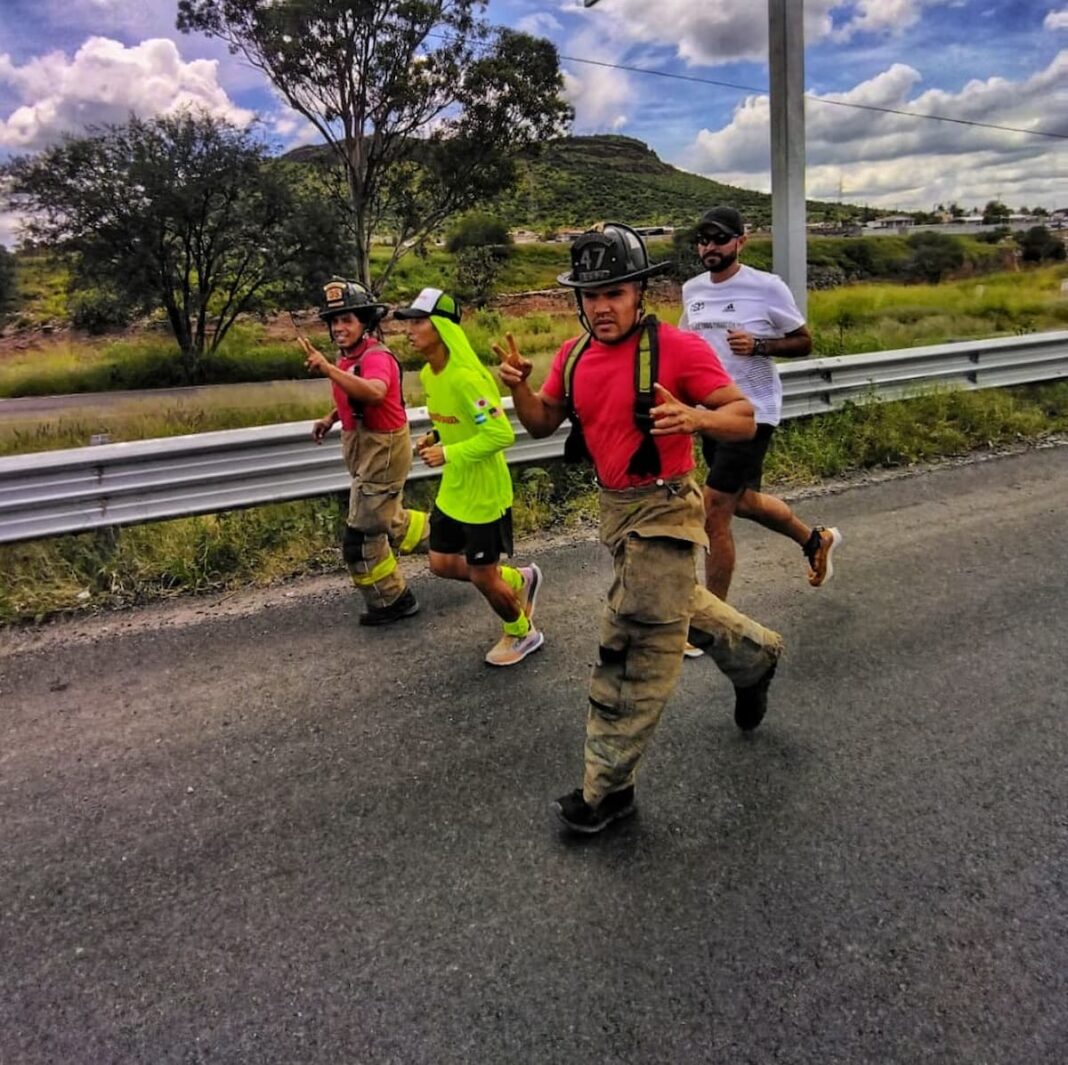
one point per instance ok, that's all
(718, 239)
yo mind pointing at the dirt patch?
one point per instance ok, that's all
(279, 328)
(562, 300)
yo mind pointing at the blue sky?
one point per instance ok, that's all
(67, 64)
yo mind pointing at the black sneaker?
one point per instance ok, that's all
(580, 816)
(751, 704)
(404, 606)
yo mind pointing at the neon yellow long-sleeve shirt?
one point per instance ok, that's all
(465, 409)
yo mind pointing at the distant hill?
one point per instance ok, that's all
(579, 180)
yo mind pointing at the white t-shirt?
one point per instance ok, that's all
(756, 302)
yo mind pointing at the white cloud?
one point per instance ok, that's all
(729, 30)
(601, 96)
(292, 129)
(596, 96)
(540, 24)
(105, 82)
(703, 33)
(1057, 20)
(896, 160)
(882, 16)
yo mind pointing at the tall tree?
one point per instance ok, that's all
(423, 105)
(994, 212)
(182, 212)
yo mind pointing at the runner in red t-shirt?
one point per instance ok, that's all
(652, 515)
(377, 446)
(605, 386)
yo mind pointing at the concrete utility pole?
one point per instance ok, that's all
(786, 68)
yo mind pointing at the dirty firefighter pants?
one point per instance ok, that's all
(377, 522)
(654, 534)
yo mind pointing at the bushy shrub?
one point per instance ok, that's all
(994, 236)
(1039, 244)
(826, 276)
(96, 310)
(475, 273)
(477, 230)
(933, 256)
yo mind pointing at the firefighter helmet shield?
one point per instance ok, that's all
(341, 296)
(609, 253)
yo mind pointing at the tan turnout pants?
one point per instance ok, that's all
(377, 522)
(656, 598)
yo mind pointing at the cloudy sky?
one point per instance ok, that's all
(68, 64)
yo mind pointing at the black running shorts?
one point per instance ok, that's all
(732, 467)
(481, 545)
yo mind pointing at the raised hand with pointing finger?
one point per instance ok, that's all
(671, 415)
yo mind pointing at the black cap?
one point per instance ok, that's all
(724, 218)
(610, 253)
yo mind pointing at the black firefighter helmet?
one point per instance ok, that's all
(609, 253)
(341, 295)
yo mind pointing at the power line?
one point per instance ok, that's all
(808, 96)
(814, 99)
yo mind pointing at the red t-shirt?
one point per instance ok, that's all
(603, 396)
(371, 361)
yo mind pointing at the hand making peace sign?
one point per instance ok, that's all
(514, 369)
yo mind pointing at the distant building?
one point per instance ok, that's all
(893, 221)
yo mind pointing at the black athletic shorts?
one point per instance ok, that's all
(732, 467)
(481, 545)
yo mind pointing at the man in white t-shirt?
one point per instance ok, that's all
(750, 318)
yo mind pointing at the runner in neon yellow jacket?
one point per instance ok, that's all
(471, 524)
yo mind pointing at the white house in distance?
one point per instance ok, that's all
(894, 225)
(892, 221)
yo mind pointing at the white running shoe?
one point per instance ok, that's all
(819, 553)
(528, 594)
(511, 650)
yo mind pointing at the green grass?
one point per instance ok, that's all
(882, 317)
(930, 426)
(844, 321)
(43, 280)
(149, 360)
(145, 421)
(140, 563)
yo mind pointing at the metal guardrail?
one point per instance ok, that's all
(86, 488)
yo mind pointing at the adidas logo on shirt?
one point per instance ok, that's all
(728, 308)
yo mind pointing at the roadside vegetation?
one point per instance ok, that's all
(42, 289)
(134, 565)
(253, 547)
(844, 321)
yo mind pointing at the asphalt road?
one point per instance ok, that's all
(277, 837)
